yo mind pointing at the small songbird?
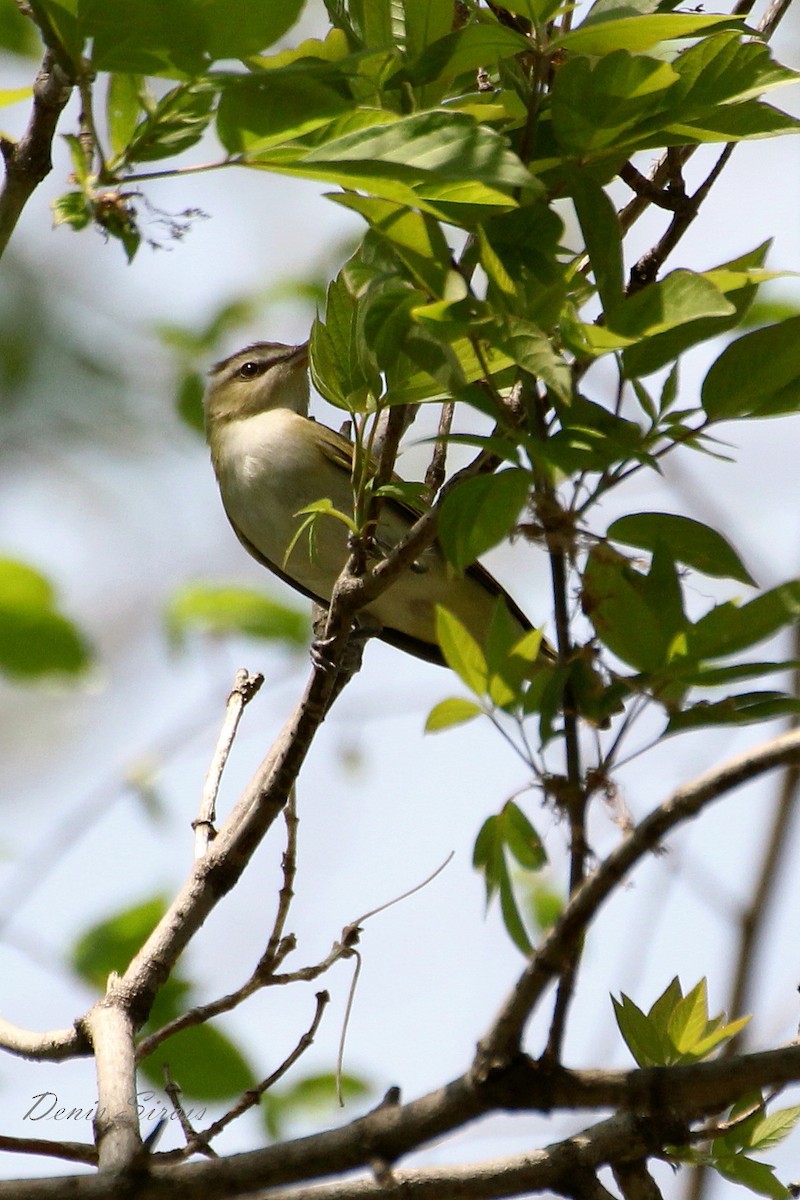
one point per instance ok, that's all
(271, 460)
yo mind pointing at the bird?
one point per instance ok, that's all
(272, 460)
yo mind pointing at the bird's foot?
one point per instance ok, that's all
(350, 662)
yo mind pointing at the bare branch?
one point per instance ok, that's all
(55, 1045)
(503, 1039)
(189, 1132)
(72, 1151)
(244, 689)
(253, 1095)
(116, 1126)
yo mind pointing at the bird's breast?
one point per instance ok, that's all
(269, 467)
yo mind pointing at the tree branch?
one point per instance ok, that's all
(28, 161)
(503, 1039)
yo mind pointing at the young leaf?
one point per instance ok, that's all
(639, 1033)
(448, 713)
(602, 36)
(461, 652)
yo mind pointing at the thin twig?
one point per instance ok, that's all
(245, 687)
(348, 1008)
(278, 947)
(71, 1151)
(173, 1091)
(435, 474)
(251, 1097)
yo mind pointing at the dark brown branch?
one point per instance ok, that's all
(28, 161)
(659, 1102)
(647, 189)
(71, 1151)
(435, 475)
(646, 269)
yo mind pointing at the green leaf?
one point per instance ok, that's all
(184, 36)
(414, 237)
(546, 906)
(443, 163)
(175, 124)
(661, 1009)
(276, 106)
(758, 1177)
(635, 33)
(18, 34)
(223, 610)
(676, 300)
(521, 838)
(448, 713)
(488, 857)
(35, 639)
(656, 350)
(729, 628)
(205, 1064)
(603, 237)
(339, 370)
(123, 106)
(638, 617)
(725, 68)
(189, 402)
(746, 709)
(461, 652)
(527, 346)
(479, 513)
(14, 95)
(732, 123)
(309, 1097)
(639, 1033)
(512, 919)
(72, 209)
(111, 944)
(724, 1033)
(688, 1020)
(466, 49)
(63, 17)
(600, 105)
(770, 1130)
(758, 375)
(687, 540)
(425, 21)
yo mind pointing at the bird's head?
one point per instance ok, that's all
(264, 376)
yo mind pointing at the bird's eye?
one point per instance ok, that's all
(250, 370)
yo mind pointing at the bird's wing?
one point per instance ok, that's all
(340, 451)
